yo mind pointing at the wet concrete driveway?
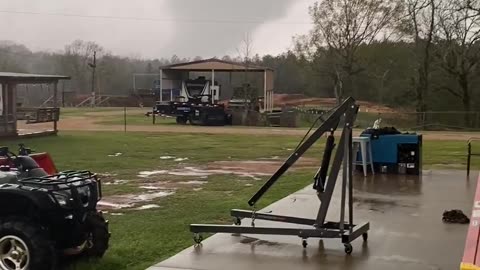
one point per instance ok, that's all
(407, 231)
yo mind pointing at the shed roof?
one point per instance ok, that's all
(215, 64)
(6, 77)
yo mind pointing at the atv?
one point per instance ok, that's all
(46, 216)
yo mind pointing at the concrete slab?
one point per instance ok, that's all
(407, 231)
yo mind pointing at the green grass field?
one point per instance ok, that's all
(142, 238)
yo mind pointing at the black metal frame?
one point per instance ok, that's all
(324, 185)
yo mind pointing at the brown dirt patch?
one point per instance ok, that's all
(79, 123)
(281, 100)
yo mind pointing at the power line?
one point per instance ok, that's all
(146, 19)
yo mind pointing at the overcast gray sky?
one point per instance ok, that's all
(156, 28)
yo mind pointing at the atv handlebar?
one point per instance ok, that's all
(5, 152)
(22, 151)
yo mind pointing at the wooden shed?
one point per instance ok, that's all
(10, 113)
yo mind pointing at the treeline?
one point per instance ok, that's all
(387, 79)
(420, 55)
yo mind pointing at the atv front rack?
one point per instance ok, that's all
(73, 183)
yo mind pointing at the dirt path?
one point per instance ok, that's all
(85, 123)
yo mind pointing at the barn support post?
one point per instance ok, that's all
(161, 85)
(3, 107)
(12, 97)
(55, 105)
(265, 97)
(213, 84)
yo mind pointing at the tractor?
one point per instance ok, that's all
(45, 214)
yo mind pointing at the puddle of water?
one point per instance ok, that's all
(193, 182)
(254, 169)
(150, 196)
(116, 214)
(114, 205)
(167, 157)
(150, 187)
(180, 159)
(147, 206)
(227, 170)
(405, 260)
(195, 172)
(106, 174)
(116, 155)
(197, 189)
(116, 182)
(256, 241)
(189, 173)
(146, 174)
(131, 200)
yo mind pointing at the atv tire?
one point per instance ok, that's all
(98, 235)
(25, 245)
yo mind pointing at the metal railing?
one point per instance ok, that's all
(38, 115)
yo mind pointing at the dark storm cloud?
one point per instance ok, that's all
(220, 25)
(152, 28)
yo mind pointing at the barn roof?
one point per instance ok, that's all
(6, 77)
(215, 64)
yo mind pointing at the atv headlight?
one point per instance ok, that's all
(84, 194)
(61, 199)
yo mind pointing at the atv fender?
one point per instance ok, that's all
(15, 199)
(45, 161)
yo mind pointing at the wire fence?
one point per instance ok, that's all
(447, 120)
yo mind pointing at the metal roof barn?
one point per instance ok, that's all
(178, 72)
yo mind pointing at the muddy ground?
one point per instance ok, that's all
(158, 183)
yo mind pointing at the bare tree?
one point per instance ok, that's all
(340, 28)
(75, 62)
(421, 25)
(248, 93)
(459, 32)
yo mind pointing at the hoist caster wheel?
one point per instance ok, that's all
(197, 238)
(348, 248)
(304, 243)
(365, 237)
(237, 221)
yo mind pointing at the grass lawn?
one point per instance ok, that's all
(142, 238)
